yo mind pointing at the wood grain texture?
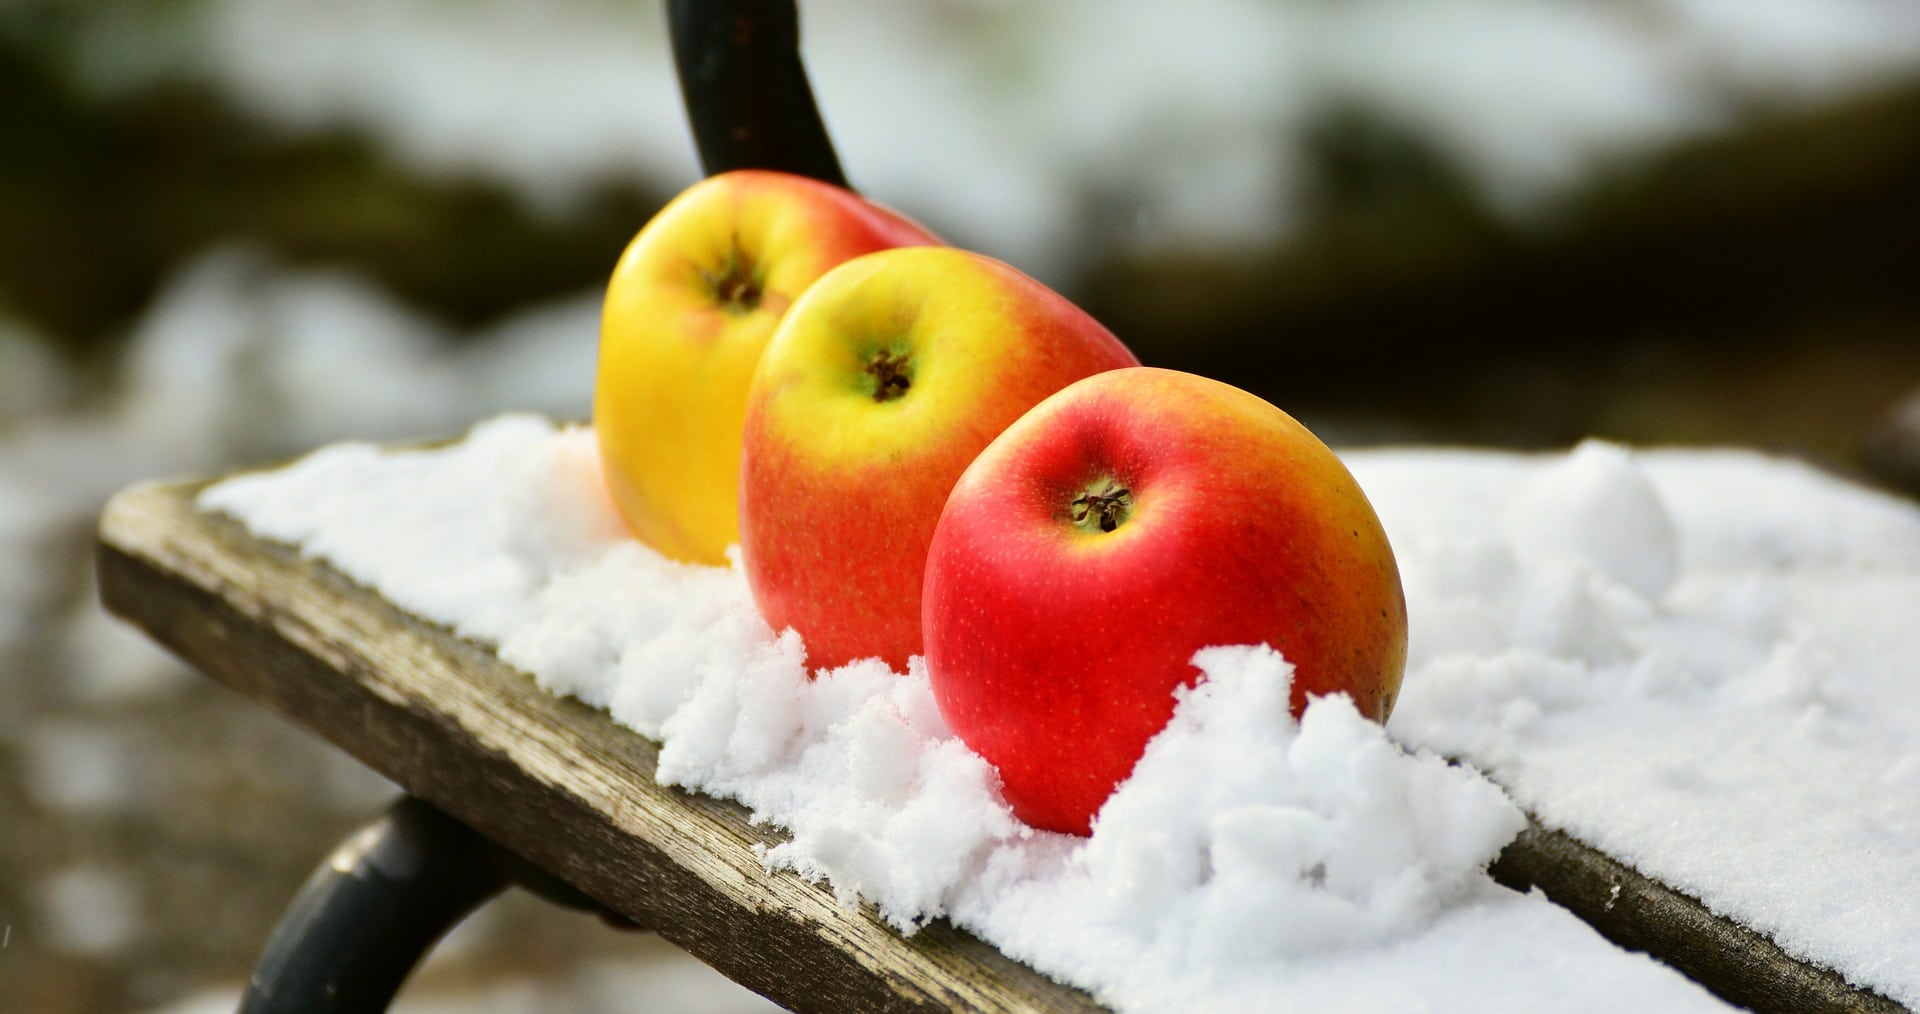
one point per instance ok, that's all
(1642, 914)
(551, 779)
(559, 783)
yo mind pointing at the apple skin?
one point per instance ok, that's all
(690, 306)
(840, 487)
(1054, 647)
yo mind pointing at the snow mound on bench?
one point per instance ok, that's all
(1250, 856)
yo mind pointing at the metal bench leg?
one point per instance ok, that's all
(376, 906)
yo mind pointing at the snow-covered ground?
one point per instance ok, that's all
(1695, 660)
(1021, 129)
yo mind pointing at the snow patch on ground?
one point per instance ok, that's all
(237, 360)
(89, 910)
(993, 122)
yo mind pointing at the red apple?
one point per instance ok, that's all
(1123, 524)
(690, 306)
(883, 383)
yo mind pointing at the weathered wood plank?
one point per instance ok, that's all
(551, 779)
(1643, 914)
(562, 785)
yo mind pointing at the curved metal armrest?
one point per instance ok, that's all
(378, 904)
(745, 89)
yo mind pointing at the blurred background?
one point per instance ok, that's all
(233, 230)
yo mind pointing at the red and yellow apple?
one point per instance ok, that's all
(885, 380)
(691, 304)
(1123, 524)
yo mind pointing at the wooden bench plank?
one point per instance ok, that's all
(1642, 914)
(559, 783)
(551, 779)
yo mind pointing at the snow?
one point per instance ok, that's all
(34, 381)
(74, 764)
(1188, 124)
(1251, 857)
(323, 353)
(1746, 731)
(1706, 676)
(237, 360)
(91, 910)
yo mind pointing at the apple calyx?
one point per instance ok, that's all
(890, 375)
(736, 286)
(1102, 506)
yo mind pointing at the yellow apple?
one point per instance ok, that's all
(690, 306)
(885, 380)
